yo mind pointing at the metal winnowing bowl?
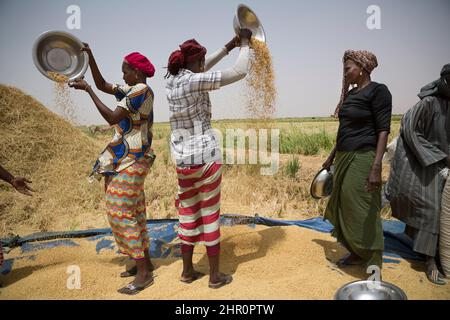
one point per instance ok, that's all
(322, 184)
(57, 53)
(370, 290)
(245, 18)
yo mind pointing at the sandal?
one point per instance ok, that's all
(434, 276)
(129, 273)
(131, 289)
(226, 279)
(195, 276)
(346, 261)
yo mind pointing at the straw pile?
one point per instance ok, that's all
(56, 156)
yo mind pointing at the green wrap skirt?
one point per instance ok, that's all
(353, 211)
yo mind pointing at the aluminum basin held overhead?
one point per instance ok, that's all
(60, 52)
(245, 18)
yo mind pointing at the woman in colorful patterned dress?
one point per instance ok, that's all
(126, 160)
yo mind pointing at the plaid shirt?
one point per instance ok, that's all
(192, 140)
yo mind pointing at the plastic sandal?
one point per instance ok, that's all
(226, 279)
(131, 289)
(196, 276)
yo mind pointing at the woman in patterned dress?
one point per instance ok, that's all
(126, 160)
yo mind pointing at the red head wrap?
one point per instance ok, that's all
(190, 51)
(140, 62)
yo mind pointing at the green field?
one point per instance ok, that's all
(305, 136)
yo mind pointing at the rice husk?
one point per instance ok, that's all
(261, 92)
(61, 96)
(58, 77)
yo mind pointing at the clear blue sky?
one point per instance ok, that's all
(306, 39)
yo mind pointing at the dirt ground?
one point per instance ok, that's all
(266, 263)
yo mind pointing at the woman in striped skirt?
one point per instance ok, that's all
(126, 160)
(196, 150)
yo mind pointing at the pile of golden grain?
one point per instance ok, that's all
(261, 92)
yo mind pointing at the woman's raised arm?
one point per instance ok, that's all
(100, 82)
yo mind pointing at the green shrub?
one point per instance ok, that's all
(298, 142)
(292, 167)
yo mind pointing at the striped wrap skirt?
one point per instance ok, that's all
(198, 204)
(125, 205)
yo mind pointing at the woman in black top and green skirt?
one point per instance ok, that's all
(364, 125)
